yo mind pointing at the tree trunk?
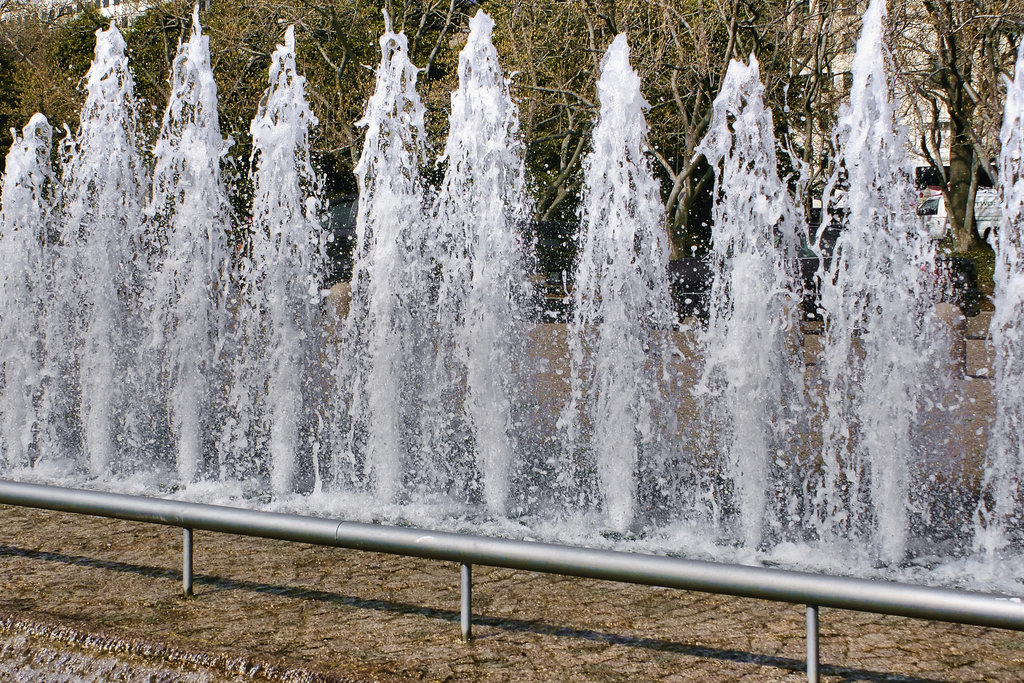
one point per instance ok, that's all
(962, 188)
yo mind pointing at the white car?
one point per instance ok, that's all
(932, 210)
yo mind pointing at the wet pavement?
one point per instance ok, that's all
(87, 599)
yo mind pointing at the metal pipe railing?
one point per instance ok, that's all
(813, 590)
(466, 603)
(186, 562)
(812, 643)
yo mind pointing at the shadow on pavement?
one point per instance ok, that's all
(517, 625)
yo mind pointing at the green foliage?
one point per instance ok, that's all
(71, 46)
(10, 95)
(69, 52)
(152, 42)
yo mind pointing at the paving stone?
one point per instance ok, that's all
(979, 358)
(977, 327)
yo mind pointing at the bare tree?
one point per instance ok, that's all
(548, 50)
(952, 55)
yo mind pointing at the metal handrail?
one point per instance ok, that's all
(813, 590)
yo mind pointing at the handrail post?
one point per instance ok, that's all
(465, 613)
(186, 570)
(812, 644)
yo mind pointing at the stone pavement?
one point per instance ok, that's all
(81, 595)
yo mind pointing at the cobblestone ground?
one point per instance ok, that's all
(97, 599)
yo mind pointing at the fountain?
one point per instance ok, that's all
(187, 299)
(615, 413)
(26, 244)
(752, 382)
(101, 259)
(382, 344)
(279, 286)
(160, 357)
(1001, 507)
(882, 339)
(481, 316)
